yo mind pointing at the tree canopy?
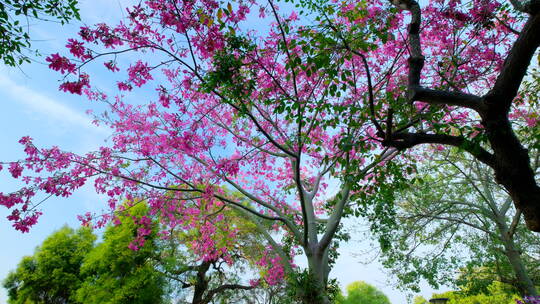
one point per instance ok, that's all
(312, 118)
(362, 293)
(51, 275)
(68, 268)
(114, 274)
(456, 219)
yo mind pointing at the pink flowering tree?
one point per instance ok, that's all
(267, 114)
(224, 274)
(300, 112)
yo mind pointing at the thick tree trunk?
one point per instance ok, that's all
(512, 166)
(318, 269)
(201, 285)
(512, 162)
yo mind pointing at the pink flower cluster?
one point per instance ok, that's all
(272, 263)
(144, 230)
(24, 216)
(139, 73)
(76, 87)
(61, 64)
(77, 49)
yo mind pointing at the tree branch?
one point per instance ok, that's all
(514, 224)
(515, 66)
(404, 140)
(308, 213)
(419, 93)
(531, 6)
(275, 246)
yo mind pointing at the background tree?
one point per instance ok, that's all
(218, 278)
(119, 270)
(420, 300)
(455, 218)
(15, 18)
(51, 275)
(362, 293)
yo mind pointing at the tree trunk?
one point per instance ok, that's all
(512, 166)
(201, 284)
(525, 284)
(512, 162)
(318, 270)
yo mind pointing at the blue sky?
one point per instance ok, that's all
(33, 106)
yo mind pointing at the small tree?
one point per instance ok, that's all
(219, 275)
(114, 274)
(51, 275)
(496, 293)
(420, 300)
(361, 292)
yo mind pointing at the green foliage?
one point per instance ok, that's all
(51, 275)
(420, 300)
(454, 217)
(375, 200)
(360, 292)
(497, 293)
(13, 30)
(115, 274)
(67, 268)
(230, 77)
(478, 280)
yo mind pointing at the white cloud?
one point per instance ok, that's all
(45, 105)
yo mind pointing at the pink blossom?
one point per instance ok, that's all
(293, 16)
(139, 73)
(111, 66)
(77, 49)
(61, 64)
(15, 169)
(76, 87)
